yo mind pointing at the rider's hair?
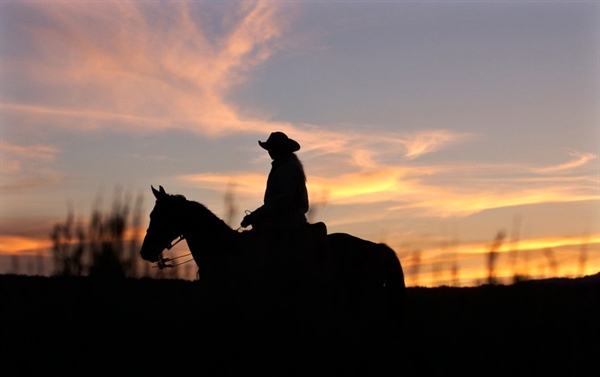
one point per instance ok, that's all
(299, 164)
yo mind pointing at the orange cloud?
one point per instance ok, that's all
(23, 245)
(457, 202)
(423, 188)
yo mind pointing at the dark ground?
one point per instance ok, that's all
(82, 326)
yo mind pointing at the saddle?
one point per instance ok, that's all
(289, 249)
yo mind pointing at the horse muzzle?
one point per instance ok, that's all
(148, 253)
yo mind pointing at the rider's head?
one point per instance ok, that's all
(278, 144)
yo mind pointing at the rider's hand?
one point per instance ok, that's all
(247, 220)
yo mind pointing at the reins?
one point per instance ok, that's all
(178, 240)
(163, 262)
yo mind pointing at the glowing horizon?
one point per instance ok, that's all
(434, 263)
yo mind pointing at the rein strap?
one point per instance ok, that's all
(178, 240)
(163, 262)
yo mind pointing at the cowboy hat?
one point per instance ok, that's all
(280, 141)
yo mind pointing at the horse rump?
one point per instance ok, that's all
(369, 274)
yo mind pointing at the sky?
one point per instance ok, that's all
(432, 126)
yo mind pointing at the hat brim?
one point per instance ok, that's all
(289, 145)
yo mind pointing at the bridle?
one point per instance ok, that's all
(162, 262)
(172, 244)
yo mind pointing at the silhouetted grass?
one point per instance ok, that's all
(493, 255)
(106, 247)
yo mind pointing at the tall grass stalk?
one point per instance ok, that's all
(493, 255)
(107, 247)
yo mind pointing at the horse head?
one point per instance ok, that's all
(165, 224)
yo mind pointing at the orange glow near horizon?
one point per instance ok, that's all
(16, 245)
(434, 269)
(535, 258)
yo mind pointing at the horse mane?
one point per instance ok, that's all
(208, 218)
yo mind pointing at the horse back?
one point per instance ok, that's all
(359, 252)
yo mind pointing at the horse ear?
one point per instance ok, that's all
(156, 192)
(160, 193)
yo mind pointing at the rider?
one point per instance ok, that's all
(286, 197)
(280, 226)
(289, 248)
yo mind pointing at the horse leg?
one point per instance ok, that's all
(394, 287)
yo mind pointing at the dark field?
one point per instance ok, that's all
(82, 326)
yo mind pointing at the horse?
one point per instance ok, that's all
(356, 281)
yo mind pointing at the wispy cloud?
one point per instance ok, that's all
(27, 166)
(421, 143)
(150, 65)
(369, 149)
(41, 153)
(458, 189)
(578, 159)
(133, 70)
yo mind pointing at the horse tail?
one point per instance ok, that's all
(394, 286)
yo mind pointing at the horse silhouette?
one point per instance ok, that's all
(344, 274)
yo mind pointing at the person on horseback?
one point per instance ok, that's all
(286, 197)
(280, 229)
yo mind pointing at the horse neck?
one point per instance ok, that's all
(204, 229)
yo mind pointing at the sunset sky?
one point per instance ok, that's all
(431, 126)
